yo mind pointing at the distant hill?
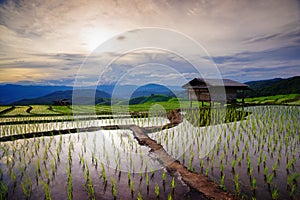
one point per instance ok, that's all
(10, 93)
(145, 90)
(84, 98)
(149, 99)
(151, 89)
(33, 94)
(274, 87)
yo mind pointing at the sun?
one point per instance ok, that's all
(93, 37)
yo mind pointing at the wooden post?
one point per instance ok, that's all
(202, 103)
(191, 104)
(243, 98)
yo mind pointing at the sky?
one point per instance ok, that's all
(48, 42)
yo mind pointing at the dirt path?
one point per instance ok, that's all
(199, 182)
(194, 180)
(29, 109)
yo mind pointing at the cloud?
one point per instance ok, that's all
(250, 66)
(55, 36)
(121, 37)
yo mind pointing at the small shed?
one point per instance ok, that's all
(198, 89)
(62, 102)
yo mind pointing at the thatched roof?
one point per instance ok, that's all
(206, 83)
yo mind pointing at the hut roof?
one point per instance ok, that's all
(205, 83)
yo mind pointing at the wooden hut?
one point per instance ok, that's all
(198, 89)
(62, 102)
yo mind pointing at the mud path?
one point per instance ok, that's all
(199, 182)
(29, 109)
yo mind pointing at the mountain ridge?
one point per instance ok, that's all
(15, 94)
(273, 87)
(81, 98)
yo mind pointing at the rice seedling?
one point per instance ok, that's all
(236, 184)
(47, 175)
(251, 171)
(233, 165)
(131, 185)
(269, 178)
(103, 173)
(173, 183)
(13, 177)
(26, 187)
(275, 167)
(4, 190)
(114, 189)
(46, 190)
(156, 190)
(139, 196)
(293, 189)
(89, 183)
(206, 171)
(254, 184)
(163, 176)
(265, 171)
(69, 183)
(223, 182)
(275, 194)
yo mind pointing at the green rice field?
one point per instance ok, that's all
(251, 152)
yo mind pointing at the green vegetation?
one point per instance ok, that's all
(284, 99)
(3, 108)
(208, 116)
(149, 99)
(45, 110)
(144, 104)
(274, 87)
(42, 110)
(17, 111)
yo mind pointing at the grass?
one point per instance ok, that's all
(17, 111)
(42, 110)
(64, 110)
(45, 110)
(3, 108)
(146, 103)
(275, 100)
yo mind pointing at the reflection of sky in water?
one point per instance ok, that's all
(118, 149)
(41, 127)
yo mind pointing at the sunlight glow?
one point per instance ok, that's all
(93, 37)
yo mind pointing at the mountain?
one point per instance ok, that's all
(256, 85)
(10, 93)
(37, 94)
(124, 91)
(82, 97)
(149, 99)
(274, 87)
(151, 89)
